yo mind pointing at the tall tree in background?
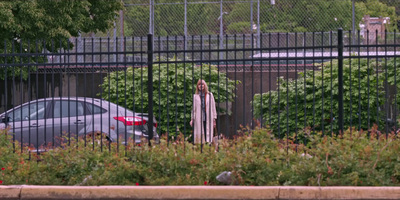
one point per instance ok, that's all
(39, 25)
(54, 19)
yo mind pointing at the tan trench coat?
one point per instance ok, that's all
(211, 114)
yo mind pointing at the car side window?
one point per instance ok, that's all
(31, 111)
(95, 109)
(67, 108)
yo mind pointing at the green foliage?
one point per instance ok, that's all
(284, 16)
(239, 28)
(52, 19)
(47, 25)
(312, 99)
(256, 158)
(173, 86)
(168, 18)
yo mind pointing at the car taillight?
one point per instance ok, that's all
(130, 121)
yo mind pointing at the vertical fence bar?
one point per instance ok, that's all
(322, 83)
(304, 79)
(193, 88)
(159, 83)
(184, 90)
(377, 78)
(226, 84)
(219, 98)
(331, 83)
(116, 65)
(269, 80)
(350, 85)
(167, 60)
(395, 83)
(340, 78)
(150, 84)
(101, 93)
(236, 96)
(287, 94)
(13, 91)
(368, 83)
(176, 86)
(29, 81)
(252, 79)
(21, 93)
(386, 90)
(53, 84)
(359, 83)
(123, 59)
(244, 80)
(109, 90)
(141, 77)
(295, 88)
(261, 68)
(6, 91)
(202, 126)
(313, 76)
(279, 84)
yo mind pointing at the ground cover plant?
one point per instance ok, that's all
(255, 158)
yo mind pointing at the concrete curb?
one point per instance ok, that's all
(195, 192)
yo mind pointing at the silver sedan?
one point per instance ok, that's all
(43, 122)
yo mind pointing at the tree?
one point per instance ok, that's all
(55, 20)
(33, 26)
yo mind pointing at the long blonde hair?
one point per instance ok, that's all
(205, 86)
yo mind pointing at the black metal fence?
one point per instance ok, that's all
(294, 84)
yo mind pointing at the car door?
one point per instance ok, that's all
(67, 120)
(27, 123)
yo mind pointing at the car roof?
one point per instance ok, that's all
(86, 99)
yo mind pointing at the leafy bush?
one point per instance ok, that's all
(312, 99)
(173, 86)
(256, 158)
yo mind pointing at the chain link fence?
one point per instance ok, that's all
(213, 17)
(213, 24)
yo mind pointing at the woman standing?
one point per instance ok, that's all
(204, 114)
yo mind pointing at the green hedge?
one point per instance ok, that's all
(256, 158)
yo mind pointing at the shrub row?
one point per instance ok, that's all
(255, 158)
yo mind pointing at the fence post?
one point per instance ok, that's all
(150, 84)
(340, 78)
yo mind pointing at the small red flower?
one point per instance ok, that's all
(137, 184)
(205, 182)
(1, 182)
(3, 168)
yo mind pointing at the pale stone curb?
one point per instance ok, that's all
(195, 192)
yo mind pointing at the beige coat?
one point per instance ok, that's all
(211, 113)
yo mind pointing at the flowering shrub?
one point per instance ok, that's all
(256, 158)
